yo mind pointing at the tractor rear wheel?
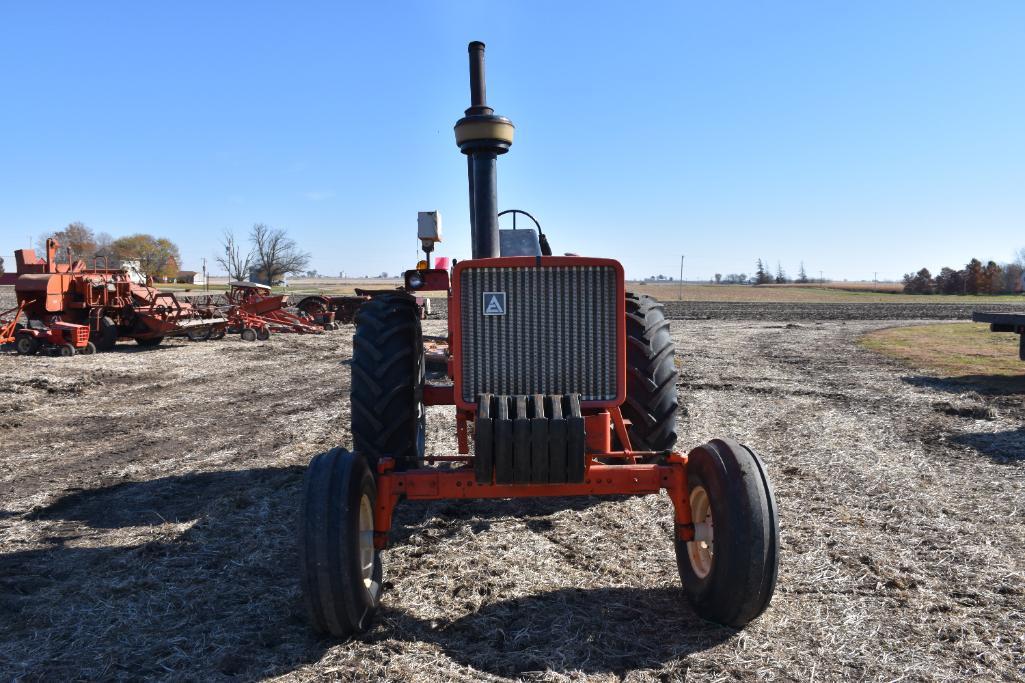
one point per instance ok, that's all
(26, 345)
(729, 570)
(388, 415)
(106, 337)
(339, 568)
(651, 400)
(150, 342)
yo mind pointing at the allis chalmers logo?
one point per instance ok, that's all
(494, 303)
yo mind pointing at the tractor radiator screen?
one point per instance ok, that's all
(539, 330)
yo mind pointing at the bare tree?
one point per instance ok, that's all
(234, 261)
(103, 242)
(275, 253)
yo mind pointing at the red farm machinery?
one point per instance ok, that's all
(254, 312)
(342, 309)
(70, 307)
(562, 384)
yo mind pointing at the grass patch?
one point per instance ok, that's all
(966, 353)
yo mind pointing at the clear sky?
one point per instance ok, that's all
(859, 137)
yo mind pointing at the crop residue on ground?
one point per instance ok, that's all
(149, 506)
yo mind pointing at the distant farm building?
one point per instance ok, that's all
(188, 277)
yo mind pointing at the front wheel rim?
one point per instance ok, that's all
(701, 551)
(367, 552)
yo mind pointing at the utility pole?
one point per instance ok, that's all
(681, 277)
(875, 276)
(206, 280)
(822, 280)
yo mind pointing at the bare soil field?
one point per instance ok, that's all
(720, 302)
(149, 503)
(829, 292)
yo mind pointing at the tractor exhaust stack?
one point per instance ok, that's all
(482, 136)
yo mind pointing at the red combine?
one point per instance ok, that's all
(66, 303)
(563, 383)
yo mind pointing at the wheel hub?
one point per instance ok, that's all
(701, 551)
(366, 546)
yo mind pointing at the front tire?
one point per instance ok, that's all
(729, 570)
(651, 400)
(339, 568)
(388, 415)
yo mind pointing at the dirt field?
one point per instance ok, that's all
(149, 500)
(830, 292)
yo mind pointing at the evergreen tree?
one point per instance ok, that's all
(762, 276)
(781, 277)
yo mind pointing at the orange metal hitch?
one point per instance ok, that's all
(600, 480)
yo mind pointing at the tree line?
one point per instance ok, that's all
(764, 276)
(974, 278)
(270, 255)
(157, 256)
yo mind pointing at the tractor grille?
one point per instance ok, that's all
(556, 334)
(80, 335)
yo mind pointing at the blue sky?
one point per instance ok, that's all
(859, 137)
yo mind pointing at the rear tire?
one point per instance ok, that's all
(339, 568)
(26, 345)
(651, 400)
(729, 571)
(388, 415)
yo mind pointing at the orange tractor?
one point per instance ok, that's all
(562, 384)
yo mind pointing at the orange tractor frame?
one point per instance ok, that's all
(568, 385)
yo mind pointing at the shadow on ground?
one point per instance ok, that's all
(987, 385)
(1002, 447)
(119, 593)
(411, 516)
(194, 576)
(601, 630)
